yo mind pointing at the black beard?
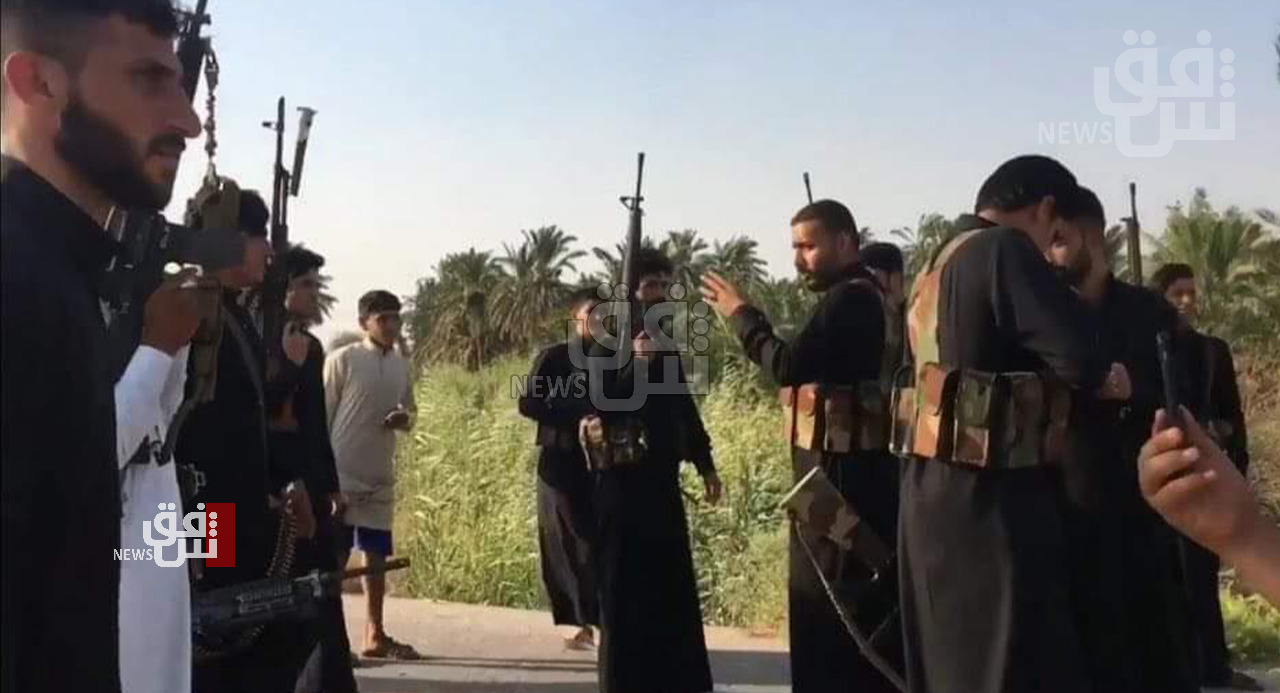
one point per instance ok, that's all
(104, 156)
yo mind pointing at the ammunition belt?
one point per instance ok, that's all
(986, 420)
(614, 443)
(835, 418)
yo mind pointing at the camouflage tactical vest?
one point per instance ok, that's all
(838, 419)
(1005, 420)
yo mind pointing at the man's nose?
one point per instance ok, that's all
(185, 120)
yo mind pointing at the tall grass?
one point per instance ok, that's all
(466, 511)
(466, 490)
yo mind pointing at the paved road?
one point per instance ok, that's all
(475, 649)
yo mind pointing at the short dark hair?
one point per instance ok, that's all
(254, 214)
(377, 301)
(300, 260)
(581, 297)
(650, 261)
(1169, 273)
(885, 257)
(834, 217)
(55, 28)
(1088, 207)
(1026, 180)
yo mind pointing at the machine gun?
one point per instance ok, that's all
(1133, 234)
(226, 611)
(286, 183)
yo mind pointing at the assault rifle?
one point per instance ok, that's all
(226, 610)
(286, 183)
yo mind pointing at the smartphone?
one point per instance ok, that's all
(1168, 373)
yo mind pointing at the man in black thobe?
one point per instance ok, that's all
(81, 134)
(884, 260)
(555, 396)
(1207, 387)
(982, 552)
(840, 346)
(300, 426)
(651, 636)
(1128, 588)
(226, 441)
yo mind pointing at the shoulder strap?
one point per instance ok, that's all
(922, 315)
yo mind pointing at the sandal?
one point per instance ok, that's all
(386, 647)
(582, 641)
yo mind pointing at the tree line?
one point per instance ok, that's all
(479, 305)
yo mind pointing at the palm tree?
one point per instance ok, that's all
(932, 232)
(460, 321)
(1231, 254)
(737, 260)
(326, 299)
(533, 287)
(687, 252)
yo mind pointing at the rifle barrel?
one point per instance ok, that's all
(808, 191)
(394, 564)
(1133, 229)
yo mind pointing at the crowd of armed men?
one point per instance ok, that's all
(968, 516)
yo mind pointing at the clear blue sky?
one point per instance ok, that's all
(447, 125)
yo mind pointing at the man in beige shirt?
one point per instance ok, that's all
(368, 397)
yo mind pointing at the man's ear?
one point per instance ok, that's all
(1047, 210)
(847, 246)
(34, 79)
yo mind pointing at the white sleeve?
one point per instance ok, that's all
(138, 410)
(175, 385)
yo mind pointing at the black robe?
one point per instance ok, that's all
(1127, 586)
(556, 397)
(982, 553)
(842, 344)
(61, 507)
(300, 392)
(651, 636)
(226, 439)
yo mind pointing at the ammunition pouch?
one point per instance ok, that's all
(835, 418)
(988, 420)
(615, 443)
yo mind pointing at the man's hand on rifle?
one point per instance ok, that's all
(295, 343)
(171, 315)
(721, 294)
